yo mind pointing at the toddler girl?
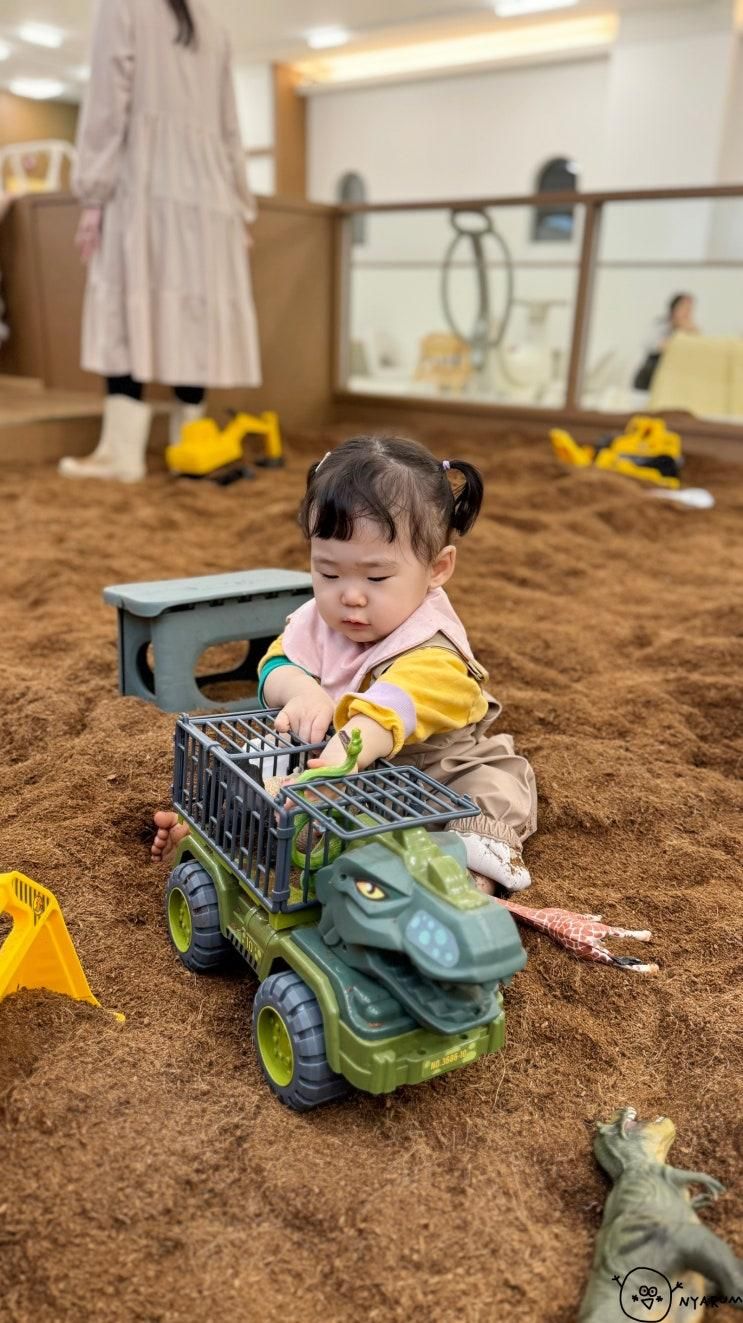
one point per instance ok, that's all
(380, 647)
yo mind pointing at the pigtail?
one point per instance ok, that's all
(467, 497)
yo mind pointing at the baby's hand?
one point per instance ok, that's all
(307, 716)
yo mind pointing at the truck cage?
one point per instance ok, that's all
(220, 763)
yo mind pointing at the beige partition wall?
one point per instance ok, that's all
(294, 278)
(293, 274)
(21, 355)
(23, 120)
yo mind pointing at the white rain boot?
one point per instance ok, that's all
(119, 455)
(182, 414)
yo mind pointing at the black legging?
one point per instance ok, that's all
(128, 386)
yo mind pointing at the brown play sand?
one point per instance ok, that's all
(146, 1173)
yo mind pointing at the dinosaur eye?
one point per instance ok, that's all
(371, 891)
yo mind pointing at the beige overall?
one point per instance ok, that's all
(485, 767)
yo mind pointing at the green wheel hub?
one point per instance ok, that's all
(179, 919)
(275, 1046)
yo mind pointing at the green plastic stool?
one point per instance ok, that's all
(182, 617)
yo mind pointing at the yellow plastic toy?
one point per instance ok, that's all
(203, 448)
(38, 951)
(629, 467)
(568, 450)
(646, 451)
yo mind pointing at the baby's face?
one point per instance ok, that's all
(368, 586)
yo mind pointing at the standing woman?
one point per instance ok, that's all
(162, 181)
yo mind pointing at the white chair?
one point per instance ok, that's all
(16, 175)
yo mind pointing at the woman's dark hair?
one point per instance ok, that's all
(674, 302)
(396, 484)
(186, 26)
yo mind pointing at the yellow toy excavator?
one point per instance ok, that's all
(205, 451)
(646, 450)
(38, 951)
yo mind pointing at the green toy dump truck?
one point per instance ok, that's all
(379, 962)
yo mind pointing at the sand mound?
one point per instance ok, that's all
(147, 1173)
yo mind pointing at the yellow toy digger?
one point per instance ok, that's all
(37, 951)
(646, 450)
(206, 452)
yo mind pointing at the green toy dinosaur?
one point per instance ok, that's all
(654, 1259)
(401, 910)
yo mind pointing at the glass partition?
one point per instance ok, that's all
(464, 304)
(460, 304)
(641, 353)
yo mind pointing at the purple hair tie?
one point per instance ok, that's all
(445, 465)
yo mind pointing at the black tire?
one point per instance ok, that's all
(192, 915)
(285, 1004)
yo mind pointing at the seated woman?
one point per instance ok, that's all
(679, 317)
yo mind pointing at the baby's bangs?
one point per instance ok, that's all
(333, 513)
(402, 493)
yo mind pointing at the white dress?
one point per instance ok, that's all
(169, 295)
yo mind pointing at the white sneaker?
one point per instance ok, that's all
(496, 860)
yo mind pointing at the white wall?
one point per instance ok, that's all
(665, 108)
(456, 137)
(731, 155)
(667, 93)
(726, 227)
(254, 97)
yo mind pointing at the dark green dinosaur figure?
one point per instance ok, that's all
(654, 1259)
(401, 909)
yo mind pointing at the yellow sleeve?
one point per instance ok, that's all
(276, 650)
(436, 694)
(352, 706)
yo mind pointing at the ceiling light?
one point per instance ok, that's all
(41, 34)
(517, 8)
(4, 50)
(39, 89)
(322, 39)
(536, 41)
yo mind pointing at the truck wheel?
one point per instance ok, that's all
(290, 1042)
(192, 911)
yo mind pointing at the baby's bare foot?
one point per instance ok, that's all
(483, 883)
(167, 836)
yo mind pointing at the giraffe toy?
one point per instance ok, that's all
(583, 934)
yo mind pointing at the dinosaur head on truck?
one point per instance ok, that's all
(403, 911)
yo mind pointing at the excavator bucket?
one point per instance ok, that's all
(38, 951)
(568, 450)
